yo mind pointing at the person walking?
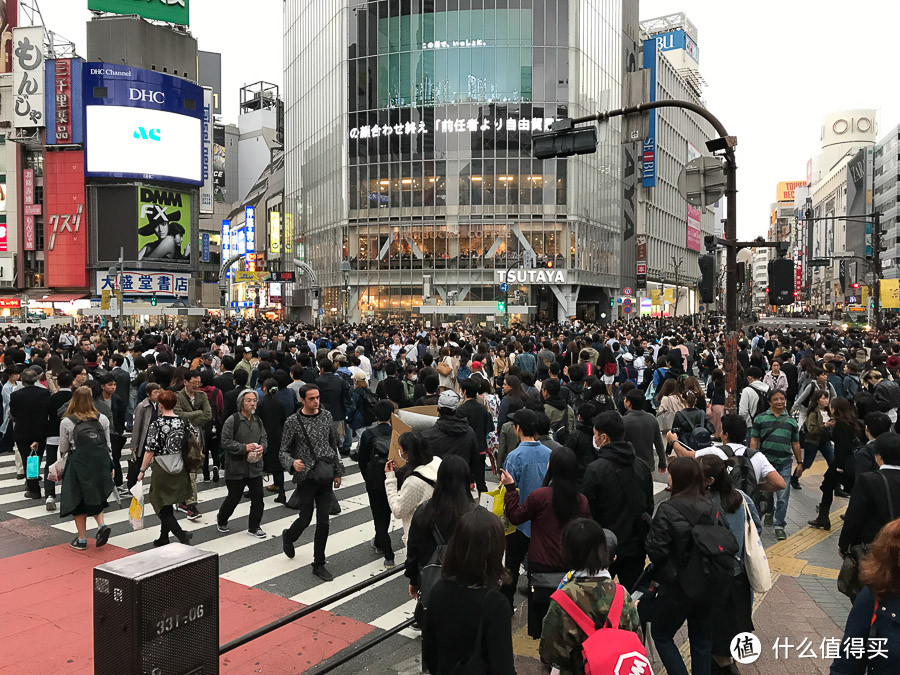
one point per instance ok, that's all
(29, 429)
(468, 627)
(420, 473)
(847, 435)
(53, 407)
(244, 443)
(482, 423)
(875, 610)
(165, 448)
(193, 406)
(273, 415)
(374, 446)
(144, 413)
(309, 452)
(87, 479)
(549, 509)
(776, 434)
(618, 486)
(113, 407)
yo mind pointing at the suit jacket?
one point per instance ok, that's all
(868, 510)
(224, 382)
(334, 393)
(123, 382)
(52, 406)
(24, 407)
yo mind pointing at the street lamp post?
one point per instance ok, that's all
(345, 273)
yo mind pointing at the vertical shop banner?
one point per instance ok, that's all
(275, 232)
(28, 77)
(9, 16)
(648, 151)
(28, 201)
(65, 236)
(164, 225)
(204, 247)
(206, 190)
(250, 229)
(890, 293)
(65, 110)
(694, 215)
(226, 245)
(288, 232)
(218, 164)
(654, 295)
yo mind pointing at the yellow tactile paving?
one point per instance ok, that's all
(824, 572)
(805, 538)
(791, 567)
(523, 644)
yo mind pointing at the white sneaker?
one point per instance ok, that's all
(258, 533)
(51, 503)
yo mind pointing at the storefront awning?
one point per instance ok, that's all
(60, 297)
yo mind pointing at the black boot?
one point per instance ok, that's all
(821, 521)
(795, 483)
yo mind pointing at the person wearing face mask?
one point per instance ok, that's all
(619, 489)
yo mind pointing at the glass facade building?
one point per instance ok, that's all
(409, 128)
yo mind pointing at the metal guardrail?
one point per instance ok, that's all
(309, 609)
(359, 648)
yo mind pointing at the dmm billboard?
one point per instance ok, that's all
(65, 237)
(142, 124)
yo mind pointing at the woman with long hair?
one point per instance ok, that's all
(818, 427)
(178, 377)
(55, 366)
(512, 390)
(420, 473)
(549, 508)
(669, 403)
(847, 434)
(735, 614)
(716, 393)
(607, 368)
(668, 545)
(87, 479)
(875, 610)
(690, 418)
(468, 626)
(439, 516)
(170, 484)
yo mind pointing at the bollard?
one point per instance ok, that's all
(157, 613)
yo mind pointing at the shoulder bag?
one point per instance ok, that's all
(321, 471)
(756, 564)
(848, 581)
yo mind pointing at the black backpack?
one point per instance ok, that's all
(381, 447)
(368, 401)
(431, 572)
(762, 402)
(743, 476)
(88, 434)
(708, 573)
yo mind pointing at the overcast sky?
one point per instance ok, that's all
(775, 68)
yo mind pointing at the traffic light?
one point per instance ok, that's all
(548, 264)
(501, 305)
(781, 281)
(707, 264)
(854, 285)
(153, 301)
(565, 140)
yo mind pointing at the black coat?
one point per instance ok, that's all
(868, 510)
(619, 490)
(452, 435)
(52, 406)
(273, 416)
(581, 441)
(334, 395)
(123, 382)
(24, 407)
(670, 538)
(224, 382)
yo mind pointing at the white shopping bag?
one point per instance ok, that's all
(136, 510)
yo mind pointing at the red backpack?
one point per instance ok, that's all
(607, 651)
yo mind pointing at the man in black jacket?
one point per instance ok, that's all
(875, 500)
(482, 424)
(581, 439)
(642, 431)
(336, 398)
(225, 381)
(52, 407)
(619, 490)
(25, 405)
(373, 454)
(390, 387)
(451, 433)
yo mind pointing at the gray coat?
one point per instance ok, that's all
(143, 413)
(237, 432)
(642, 431)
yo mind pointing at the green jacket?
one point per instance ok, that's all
(237, 432)
(561, 637)
(197, 414)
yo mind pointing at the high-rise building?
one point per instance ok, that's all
(886, 198)
(671, 229)
(408, 156)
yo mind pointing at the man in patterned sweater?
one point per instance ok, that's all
(309, 451)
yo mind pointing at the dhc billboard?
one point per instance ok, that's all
(142, 124)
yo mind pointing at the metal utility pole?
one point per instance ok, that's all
(677, 265)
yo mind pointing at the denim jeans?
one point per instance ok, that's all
(811, 449)
(783, 496)
(669, 614)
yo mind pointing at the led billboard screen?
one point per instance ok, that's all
(142, 124)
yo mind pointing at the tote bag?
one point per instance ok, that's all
(756, 564)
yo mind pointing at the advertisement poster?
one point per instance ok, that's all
(173, 11)
(9, 12)
(28, 73)
(218, 149)
(164, 225)
(274, 232)
(140, 282)
(206, 190)
(65, 234)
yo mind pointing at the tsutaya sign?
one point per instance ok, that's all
(536, 276)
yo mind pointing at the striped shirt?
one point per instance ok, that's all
(776, 436)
